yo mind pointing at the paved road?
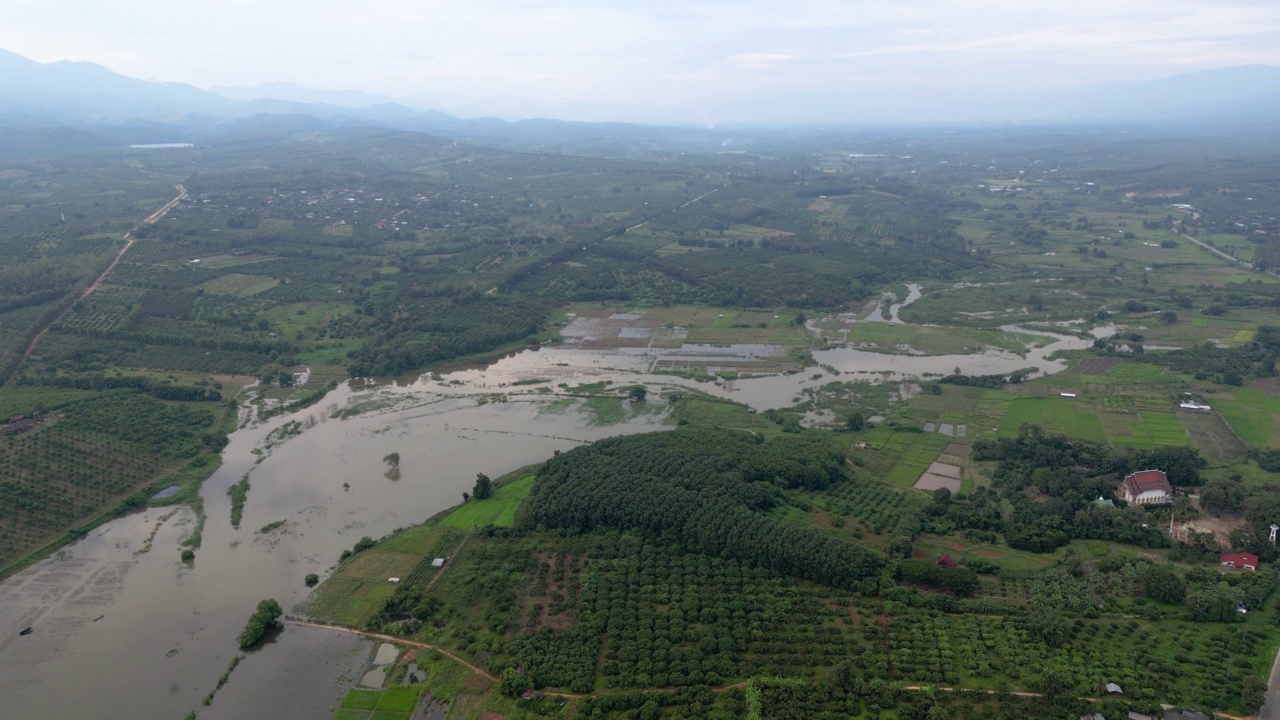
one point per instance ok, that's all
(1219, 253)
(129, 239)
(1271, 708)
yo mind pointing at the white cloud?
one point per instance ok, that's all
(759, 61)
(656, 54)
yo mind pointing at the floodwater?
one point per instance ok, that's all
(571, 366)
(123, 628)
(168, 631)
(913, 294)
(302, 675)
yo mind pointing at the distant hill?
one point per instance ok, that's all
(290, 92)
(1245, 91)
(82, 92)
(73, 106)
(106, 108)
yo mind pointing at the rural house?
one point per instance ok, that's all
(1244, 560)
(1147, 487)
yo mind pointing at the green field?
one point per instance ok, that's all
(1071, 416)
(934, 546)
(362, 699)
(1253, 414)
(348, 602)
(358, 589)
(900, 457)
(415, 540)
(397, 700)
(241, 285)
(499, 510)
(391, 704)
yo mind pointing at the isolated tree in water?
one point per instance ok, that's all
(263, 619)
(483, 488)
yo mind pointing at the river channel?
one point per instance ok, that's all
(123, 629)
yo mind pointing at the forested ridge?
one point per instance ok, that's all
(706, 489)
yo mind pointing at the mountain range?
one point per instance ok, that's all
(75, 105)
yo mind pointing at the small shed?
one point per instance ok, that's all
(946, 563)
(438, 562)
(393, 580)
(1114, 689)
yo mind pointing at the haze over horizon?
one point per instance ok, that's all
(703, 62)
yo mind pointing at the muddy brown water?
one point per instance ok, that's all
(624, 366)
(167, 630)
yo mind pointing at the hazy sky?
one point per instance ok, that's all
(652, 53)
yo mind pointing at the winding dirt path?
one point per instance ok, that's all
(129, 240)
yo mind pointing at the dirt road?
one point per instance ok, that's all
(129, 240)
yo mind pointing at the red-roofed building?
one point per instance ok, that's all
(1247, 561)
(946, 563)
(1147, 487)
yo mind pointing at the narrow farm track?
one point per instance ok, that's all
(576, 696)
(401, 641)
(129, 240)
(472, 668)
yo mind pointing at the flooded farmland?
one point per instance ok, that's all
(167, 631)
(624, 365)
(122, 626)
